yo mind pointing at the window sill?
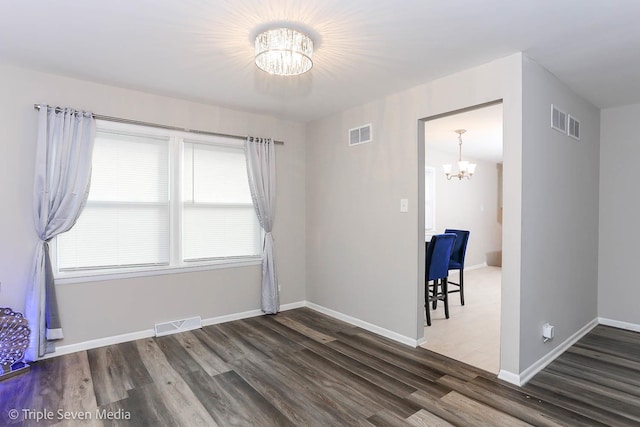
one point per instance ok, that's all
(85, 276)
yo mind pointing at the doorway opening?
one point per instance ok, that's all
(471, 334)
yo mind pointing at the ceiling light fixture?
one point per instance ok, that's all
(284, 52)
(465, 169)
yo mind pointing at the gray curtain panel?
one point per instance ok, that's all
(261, 169)
(62, 177)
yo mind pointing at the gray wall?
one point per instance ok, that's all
(361, 256)
(559, 214)
(366, 259)
(469, 205)
(618, 290)
(107, 308)
(338, 227)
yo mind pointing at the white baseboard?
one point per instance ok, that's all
(522, 378)
(147, 333)
(293, 305)
(475, 267)
(618, 324)
(247, 314)
(532, 370)
(100, 342)
(509, 377)
(231, 317)
(364, 325)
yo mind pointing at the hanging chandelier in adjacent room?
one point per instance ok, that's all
(465, 169)
(284, 52)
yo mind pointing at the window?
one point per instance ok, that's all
(218, 217)
(161, 200)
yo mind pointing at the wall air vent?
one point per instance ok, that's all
(176, 326)
(558, 119)
(574, 128)
(360, 135)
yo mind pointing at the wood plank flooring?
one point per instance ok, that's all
(302, 368)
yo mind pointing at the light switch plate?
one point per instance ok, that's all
(404, 205)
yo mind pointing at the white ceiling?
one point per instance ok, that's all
(482, 139)
(365, 49)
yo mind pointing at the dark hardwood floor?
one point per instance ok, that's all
(301, 368)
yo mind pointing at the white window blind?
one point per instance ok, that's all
(161, 200)
(126, 219)
(219, 220)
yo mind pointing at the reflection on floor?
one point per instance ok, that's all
(472, 332)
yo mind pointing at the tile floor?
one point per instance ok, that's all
(472, 332)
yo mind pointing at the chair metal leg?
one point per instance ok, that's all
(446, 297)
(434, 295)
(462, 286)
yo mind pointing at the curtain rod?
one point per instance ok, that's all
(137, 122)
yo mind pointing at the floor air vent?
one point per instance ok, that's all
(175, 326)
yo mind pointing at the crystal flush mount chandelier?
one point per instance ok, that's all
(284, 52)
(465, 169)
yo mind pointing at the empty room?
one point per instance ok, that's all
(242, 213)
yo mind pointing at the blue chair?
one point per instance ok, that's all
(457, 259)
(438, 254)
